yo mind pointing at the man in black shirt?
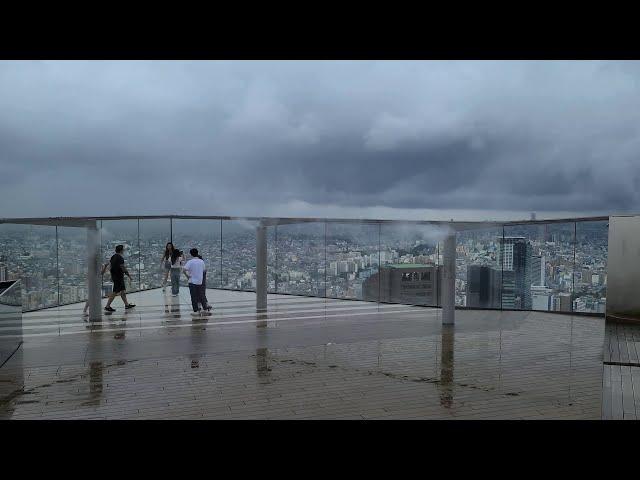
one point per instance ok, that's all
(118, 271)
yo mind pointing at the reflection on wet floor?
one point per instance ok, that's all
(446, 366)
(262, 364)
(198, 340)
(95, 384)
(172, 305)
(334, 359)
(261, 319)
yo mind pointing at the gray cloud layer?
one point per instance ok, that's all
(319, 138)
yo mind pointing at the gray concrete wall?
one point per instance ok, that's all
(623, 265)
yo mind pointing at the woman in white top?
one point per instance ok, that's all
(165, 263)
(177, 261)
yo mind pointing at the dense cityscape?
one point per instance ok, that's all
(532, 267)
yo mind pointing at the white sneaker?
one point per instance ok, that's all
(195, 314)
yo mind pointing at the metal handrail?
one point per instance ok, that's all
(460, 224)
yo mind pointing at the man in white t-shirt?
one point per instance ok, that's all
(194, 270)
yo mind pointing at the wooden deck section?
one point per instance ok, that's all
(621, 375)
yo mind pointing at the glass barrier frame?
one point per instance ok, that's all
(570, 267)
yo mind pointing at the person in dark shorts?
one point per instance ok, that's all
(118, 271)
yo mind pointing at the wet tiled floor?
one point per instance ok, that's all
(308, 358)
(621, 376)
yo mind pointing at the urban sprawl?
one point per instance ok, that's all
(559, 267)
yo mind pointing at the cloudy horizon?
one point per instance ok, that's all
(470, 140)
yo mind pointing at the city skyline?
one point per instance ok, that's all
(300, 263)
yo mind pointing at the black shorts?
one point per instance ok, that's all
(118, 285)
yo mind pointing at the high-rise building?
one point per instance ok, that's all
(538, 266)
(541, 298)
(562, 302)
(404, 283)
(579, 305)
(483, 287)
(4, 273)
(514, 257)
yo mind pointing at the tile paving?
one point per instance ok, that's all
(308, 358)
(621, 375)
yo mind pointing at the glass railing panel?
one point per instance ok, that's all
(408, 271)
(590, 273)
(154, 235)
(205, 236)
(28, 253)
(537, 263)
(300, 259)
(72, 264)
(239, 255)
(352, 251)
(478, 272)
(121, 232)
(10, 318)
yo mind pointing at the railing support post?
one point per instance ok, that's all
(261, 267)
(449, 280)
(94, 293)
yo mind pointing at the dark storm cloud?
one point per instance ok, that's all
(300, 138)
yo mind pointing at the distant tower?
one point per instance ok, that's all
(514, 257)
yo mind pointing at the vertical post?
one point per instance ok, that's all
(93, 282)
(449, 280)
(277, 276)
(57, 266)
(379, 261)
(573, 270)
(261, 267)
(139, 260)
(325, 260)
(501, 260)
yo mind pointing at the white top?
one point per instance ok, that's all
(178, 263)
(194, 268)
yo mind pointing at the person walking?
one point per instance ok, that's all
(165, 263)
(176, 267)
(194, 270)
(118, 271)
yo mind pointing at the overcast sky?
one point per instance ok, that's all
(464, 140)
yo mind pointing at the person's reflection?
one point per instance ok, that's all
(120, 334)
(198, 335)
(262, 364)
(446, 366)
(172, 311)
(174, 306)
